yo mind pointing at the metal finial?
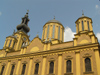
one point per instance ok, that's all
(54, 17)
(37, 34)
(27, 11)
(82, 13)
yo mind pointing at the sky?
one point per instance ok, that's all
(41, 11)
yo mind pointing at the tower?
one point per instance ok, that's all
(84, 31)
(53, 30)
(20, 38)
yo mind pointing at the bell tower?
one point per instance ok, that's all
(84, 31)
(20, 38)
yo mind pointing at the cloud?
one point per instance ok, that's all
(97, 6)
(97, 9)
(98, 36)
(0, 13)
(68, 34)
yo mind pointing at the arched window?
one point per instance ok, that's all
(82, 26)
(88, 25)
(48, 31)
(2, 70)
(12, 70)
(59, 33)
(51, 67)
(10, 43)
(87, 64)
(36, 68)
(53, 32)
(23, 69)
(68, 66)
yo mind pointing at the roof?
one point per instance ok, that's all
(54, 21)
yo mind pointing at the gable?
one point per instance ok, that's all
(35, 45)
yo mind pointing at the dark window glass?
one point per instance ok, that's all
(78, 27)
(53, 32)
(82, 26)
(10, 43)
(2, 70)
(14, 44)
(68, 66)
(87, 64)
(36, 68)
(48, 32)
(12, 70)
(88, 25)
(23, 69)
(51, 67)
(59, 32)
(6, 42)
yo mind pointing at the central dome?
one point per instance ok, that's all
(54, 21)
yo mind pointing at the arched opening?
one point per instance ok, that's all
(68, 66)
(12, 70)
(36, 68)
(51, 67)
(87, 64)
(23, 69)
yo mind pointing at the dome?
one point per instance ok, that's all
(54, 21)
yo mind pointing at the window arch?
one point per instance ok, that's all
(23, 69)
(2, 70)
(68, 66)
(87, 64)
(12, 70)
(51, 67)
(36, 68)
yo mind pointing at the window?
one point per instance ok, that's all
(36, 68)
(59, 33)
(12, 70)
(53, 32)
(51, 67)
(68, 66)
(62, 34)
(10, 43)
(23, 69)
(6, 42)
(2, 70)
(14, 44)
(78, 27)
(82, 26)
(44, 33)
(48, 31)
(87, 64)
(88, 25)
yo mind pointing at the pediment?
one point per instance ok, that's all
(84, 39)
(35, 45)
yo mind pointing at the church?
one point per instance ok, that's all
(50, 55)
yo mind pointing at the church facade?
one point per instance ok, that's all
(50, 55)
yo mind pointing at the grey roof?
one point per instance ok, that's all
(54, 21)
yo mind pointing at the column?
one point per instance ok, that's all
(59, 64)
(30, 66)
(45, 46)
(43, 65)
(18, 66)
(97, 61)
(78, 63)
(8, 66)
(48, 46)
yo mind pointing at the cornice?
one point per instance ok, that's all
(55, 51)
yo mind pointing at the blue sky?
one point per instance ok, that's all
(41, 11)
